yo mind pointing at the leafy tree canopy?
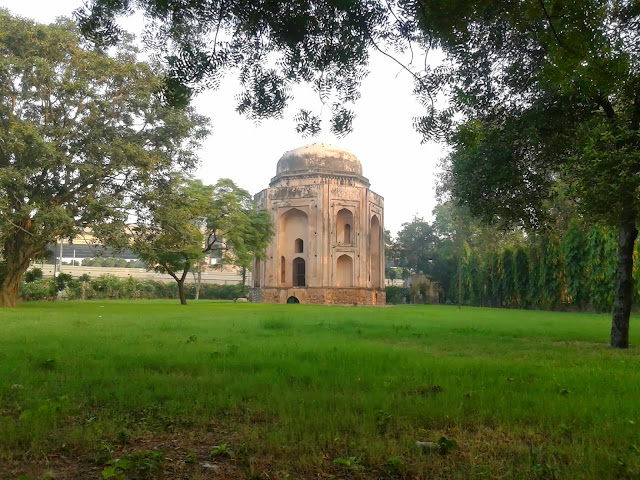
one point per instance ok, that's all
(543, 91)
(273, 44)
(183, 220)
(80, 132)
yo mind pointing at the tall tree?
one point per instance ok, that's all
(416, 246)
(79, 133)
(547, 89)
(181, 222)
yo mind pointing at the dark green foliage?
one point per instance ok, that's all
(475, 280)
(494, 285)
(601, 267)
(62, 280)
(141, 465)
(180, 222)
(575, 270)
(81, 133)
(271, 45)
(507, 278)
(109, 287)
(521, 277)
(543, 94)
(397, 295)
(33, 275)
(550, 275)
(575, 254)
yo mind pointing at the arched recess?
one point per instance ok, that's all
(293, 234)
(299, 274)
(344, 227)
(344, 271)
(374, 252)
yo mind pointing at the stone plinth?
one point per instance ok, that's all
(319, 295)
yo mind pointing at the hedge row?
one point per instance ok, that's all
(112, 287)
(574, 270)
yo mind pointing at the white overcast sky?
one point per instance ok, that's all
(397, 165)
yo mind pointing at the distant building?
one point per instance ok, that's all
(328, 244)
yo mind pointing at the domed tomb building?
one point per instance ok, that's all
(328, 244)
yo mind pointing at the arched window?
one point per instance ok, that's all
(344, 221)
(344, 273)
(292, 242)
(298, 272)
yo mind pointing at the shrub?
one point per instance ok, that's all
(62, 280)
(397, 294)
(38, 289)
(33, 275)
(111, 287)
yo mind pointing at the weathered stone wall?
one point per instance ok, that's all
(320, 295)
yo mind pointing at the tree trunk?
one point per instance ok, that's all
(9, 290)
(198, 281)
(624, 280)
(181, 292)
(18, 258)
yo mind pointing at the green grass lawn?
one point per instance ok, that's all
(285, 390)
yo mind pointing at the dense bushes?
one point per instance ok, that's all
(575, 271)
(397, 295)
(112, 287)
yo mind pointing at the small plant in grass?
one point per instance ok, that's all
(142, 465)
(190, 457)
(123, 436)
(447, 445)
(222, 451)
(394, 467)
(539, 465)
(442, 446)
(628, 464)
(48, 409)
(48, 364)
(104, 453)
(383, 421)
(565, 430)
(351, 464)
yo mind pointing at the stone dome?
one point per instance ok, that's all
(319, 158)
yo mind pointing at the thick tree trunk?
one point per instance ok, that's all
(18, 251)
(624, 280)
(181, 292)
(9, 290)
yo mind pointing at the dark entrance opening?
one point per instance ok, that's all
(298, 272)
(293, 300)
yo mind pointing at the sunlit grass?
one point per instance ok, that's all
(524, 394)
